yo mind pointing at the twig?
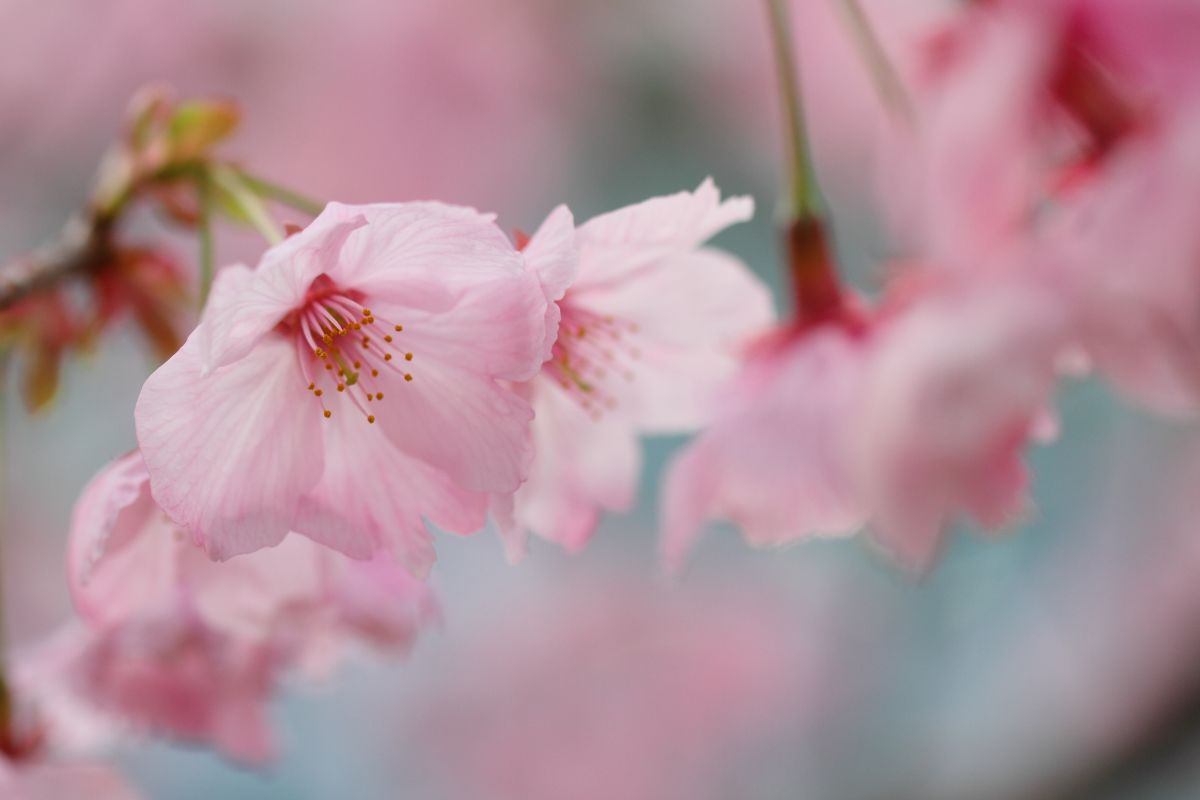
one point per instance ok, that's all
(82, 245)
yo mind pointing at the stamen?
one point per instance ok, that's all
(591, 350)
(319, 325)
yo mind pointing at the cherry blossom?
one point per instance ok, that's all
(899, 419)
(351, 384)
(173, 642)
(650, 324)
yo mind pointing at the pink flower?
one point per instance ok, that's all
(1128, 249)
(649, 326)
(958, 384)
(776, 461)
(180, 644)
(900, 421)
(47, 780)
(612, 690)
(350, 385)
(1066, 131)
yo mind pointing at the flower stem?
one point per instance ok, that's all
(887, 82)
(803, 192)
(282, 194)
(7, 734)
(204, 229)
(244, 199)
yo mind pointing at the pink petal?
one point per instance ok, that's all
(620, 242)
(551, 253)
(462, 423)
(372, 495)
(583, 465)
(775, 463)
(553, 257)
(956, 388)
(246, 304)
(113, 558)
(687, 316)
(229, 455)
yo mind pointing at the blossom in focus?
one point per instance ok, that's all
(650, 323)
(173, 642)
(352, 383)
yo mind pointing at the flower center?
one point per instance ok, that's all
(590, 350)
(344, 350)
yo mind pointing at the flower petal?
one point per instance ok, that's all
(583, 465)
(113, 557)
(228, 453)
(373, 496)
(776, 462)
(686, 317)
(613, 245)
(553, 257)
(246, 304)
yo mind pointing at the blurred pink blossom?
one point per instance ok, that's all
(777, 461)
(649, 330)
(173, 642)
(959, 382)
(899, 419)
(615, 690)
(48, 780)
(263, 423)
(1066, 131)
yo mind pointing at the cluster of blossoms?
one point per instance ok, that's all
(394, 367)
(387, 367)
(1049, 197)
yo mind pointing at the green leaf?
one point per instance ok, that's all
(239, 202)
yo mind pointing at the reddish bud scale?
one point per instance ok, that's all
(816, 289)
(1084, 89)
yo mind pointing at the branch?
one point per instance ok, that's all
(81, 246)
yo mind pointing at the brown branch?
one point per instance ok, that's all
(82, 245)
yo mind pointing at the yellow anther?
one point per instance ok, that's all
(366, 312)
(378, 395)
(374, 373)
(387, 338)
(341, 387)
(319, 392)
(407, 377)
(399, 328)
(387, 356)
(370, 419)
(408, 356)
(328, 413)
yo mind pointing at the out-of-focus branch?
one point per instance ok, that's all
(82, 246)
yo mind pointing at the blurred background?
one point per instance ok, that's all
(1058, 661)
